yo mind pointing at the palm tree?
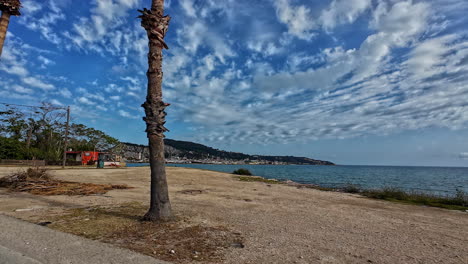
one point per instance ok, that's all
(156, 24)
(8, 8)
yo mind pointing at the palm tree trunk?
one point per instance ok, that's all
(4, 21)
(156, 25)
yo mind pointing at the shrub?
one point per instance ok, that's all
(351, 188)
(387, 193)
(242, 171)
(37, 174)
(461, 197)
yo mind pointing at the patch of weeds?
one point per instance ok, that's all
(192, 192)
(323, 188)
(457, 202)
(351, 188)
(38, 181)
(258, 179)
(242, 171)
(179, 241)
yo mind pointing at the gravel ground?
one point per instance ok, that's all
(281, 224)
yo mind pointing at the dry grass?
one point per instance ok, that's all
(258, 179)
(179, 241)
(38, 181)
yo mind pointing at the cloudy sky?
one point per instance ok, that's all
(351, 81)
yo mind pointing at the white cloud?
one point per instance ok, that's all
(297, 18)
(85, 101)
(133, 80)
(135, 95)
(427, 58)
(195, 35)
(12, 61)
(104, 30)
(35, 82)
(56, 102)
(45, 61)
(124, 114)
(9, 94)
(187, 6)
(30, 7)
(65, 92)
(102, 108)
(21, 89)
(343, 11)
(45, 22)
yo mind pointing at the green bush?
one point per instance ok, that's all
(11, 149)
(242, 171)
(351, 188)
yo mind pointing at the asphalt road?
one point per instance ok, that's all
(26, 243)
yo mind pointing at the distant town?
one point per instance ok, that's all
(181, 152)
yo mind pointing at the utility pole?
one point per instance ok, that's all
(67, 127)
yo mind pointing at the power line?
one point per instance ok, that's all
(34, 106)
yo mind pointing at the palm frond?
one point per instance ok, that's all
(10, 6)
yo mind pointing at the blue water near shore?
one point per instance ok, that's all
(436, 180)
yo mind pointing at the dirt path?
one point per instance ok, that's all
(281, 224)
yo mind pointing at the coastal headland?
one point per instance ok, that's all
(278, 223)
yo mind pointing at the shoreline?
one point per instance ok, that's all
(372, 192)
(458, 202)
(279, 224)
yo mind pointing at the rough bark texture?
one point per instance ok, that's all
(156, 24)
(4, 21)
(8, 8)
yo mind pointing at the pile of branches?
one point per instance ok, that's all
(38, 181)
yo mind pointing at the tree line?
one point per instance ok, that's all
(40, 134)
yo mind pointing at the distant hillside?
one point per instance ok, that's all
(194, 152)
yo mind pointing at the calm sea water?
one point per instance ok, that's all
(437, 180)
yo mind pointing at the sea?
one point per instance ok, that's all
(443, 181)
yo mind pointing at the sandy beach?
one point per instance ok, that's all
(280, 224)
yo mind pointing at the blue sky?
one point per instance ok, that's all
(351, 81)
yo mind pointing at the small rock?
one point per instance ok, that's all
(301, 257)
(238, 245)
(24, 210)
(172, 251)
(196, 252)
